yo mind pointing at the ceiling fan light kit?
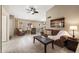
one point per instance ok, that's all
(32, 10)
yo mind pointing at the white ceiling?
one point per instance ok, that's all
(20, 12)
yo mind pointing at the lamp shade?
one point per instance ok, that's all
(73, 27)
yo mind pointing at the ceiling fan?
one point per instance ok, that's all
(32, 10)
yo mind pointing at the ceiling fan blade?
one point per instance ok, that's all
(28, 9)
(35, 11)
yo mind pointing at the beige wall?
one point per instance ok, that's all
(24, 22)
(0, 29)
(71, 14)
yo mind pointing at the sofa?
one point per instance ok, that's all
(61, 42)
(60, 37)
(19, 32)
(68, 42)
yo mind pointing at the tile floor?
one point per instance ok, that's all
(24, 44)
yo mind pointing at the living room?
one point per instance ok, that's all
(14, 40)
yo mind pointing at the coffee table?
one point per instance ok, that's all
(44, 40)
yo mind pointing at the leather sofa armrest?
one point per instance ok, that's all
(64, 38)
(60, 42)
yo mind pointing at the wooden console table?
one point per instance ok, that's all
(44, 41)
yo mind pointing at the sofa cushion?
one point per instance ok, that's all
(63, 33)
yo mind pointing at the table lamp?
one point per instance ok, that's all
(73, 28)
